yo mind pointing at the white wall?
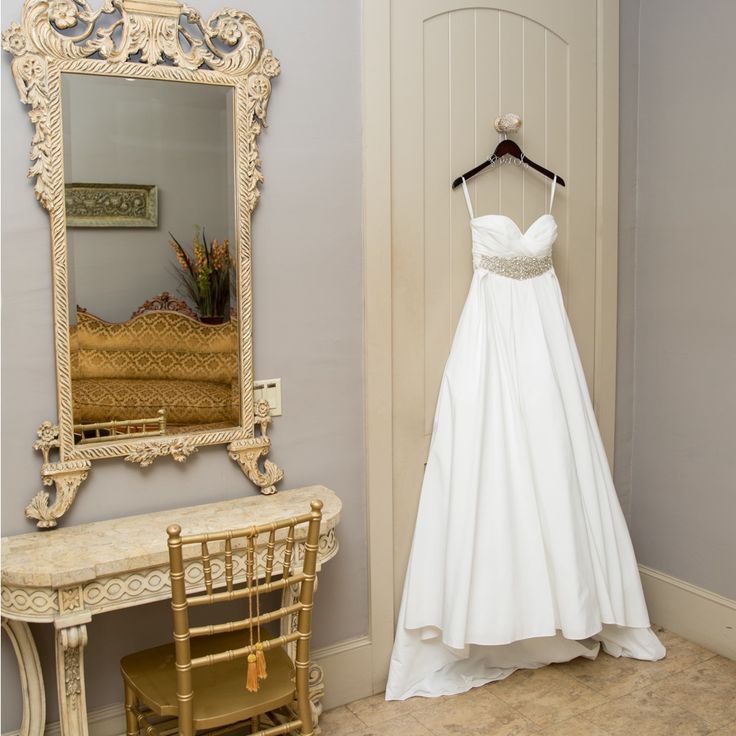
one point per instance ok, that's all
(675, 456)
(308, 331)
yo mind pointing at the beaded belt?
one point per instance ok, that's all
(516, 267)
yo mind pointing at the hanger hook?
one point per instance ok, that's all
(507, 123)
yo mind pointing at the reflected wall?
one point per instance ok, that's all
(172, 135)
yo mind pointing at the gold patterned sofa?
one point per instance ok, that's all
(156, 360)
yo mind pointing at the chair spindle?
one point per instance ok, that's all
(229, 564)
(269, 555)
(287, 552)
(206, 567)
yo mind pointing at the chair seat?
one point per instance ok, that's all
(220, 696)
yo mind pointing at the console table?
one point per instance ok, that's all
(68, 575)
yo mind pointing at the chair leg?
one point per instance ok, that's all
(304, 708)
(131, 721)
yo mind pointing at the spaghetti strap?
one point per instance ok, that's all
(467, 200)
(551, 194)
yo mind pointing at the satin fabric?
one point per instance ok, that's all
(521, 555)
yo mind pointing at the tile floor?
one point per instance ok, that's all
(692, 692)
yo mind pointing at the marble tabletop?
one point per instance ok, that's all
(77, 554)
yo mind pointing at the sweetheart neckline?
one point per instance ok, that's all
(512, 221)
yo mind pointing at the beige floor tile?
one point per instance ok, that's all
(403, 726)
(376, 708)
(617, 676)
(610, 676)
(340, 722)
(690, 693)
(545, 695)
(647, 714)
(577, 726)
(477, 713)
(681, 653)
(707, 689)
(729, 730)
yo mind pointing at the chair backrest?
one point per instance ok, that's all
(243, 562)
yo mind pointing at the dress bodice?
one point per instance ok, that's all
(500, 236)
(501, 247)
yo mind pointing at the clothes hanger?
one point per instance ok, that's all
(507, 147)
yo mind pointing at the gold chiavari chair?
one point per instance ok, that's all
(220, 677)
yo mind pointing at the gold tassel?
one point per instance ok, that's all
(251, 683)
(261, 662)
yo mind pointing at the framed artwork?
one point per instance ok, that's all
(111, 205)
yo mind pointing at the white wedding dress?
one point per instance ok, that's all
(521, 555)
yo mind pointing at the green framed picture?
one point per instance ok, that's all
(111, 205)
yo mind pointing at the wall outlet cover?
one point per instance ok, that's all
(269, 390)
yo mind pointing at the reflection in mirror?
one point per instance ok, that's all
(148, 169)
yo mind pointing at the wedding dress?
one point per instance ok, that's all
(521, 555)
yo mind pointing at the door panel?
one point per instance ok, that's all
(453, 70)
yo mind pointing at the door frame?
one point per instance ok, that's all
(377, 285)
(377, 330)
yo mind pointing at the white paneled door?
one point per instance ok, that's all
(454, 67)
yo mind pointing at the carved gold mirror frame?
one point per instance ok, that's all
(168, 41)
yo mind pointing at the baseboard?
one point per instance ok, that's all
(346, 667)
(694, 613)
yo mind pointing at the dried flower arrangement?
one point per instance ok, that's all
(206, 275)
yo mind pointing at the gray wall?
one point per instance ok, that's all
(308, 331)
(675, 458)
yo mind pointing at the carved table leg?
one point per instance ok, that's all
(70, 643)
(316, 691)
(31, 678)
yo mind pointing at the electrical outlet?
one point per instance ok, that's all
(269, 390)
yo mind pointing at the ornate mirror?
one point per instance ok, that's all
(144, 154)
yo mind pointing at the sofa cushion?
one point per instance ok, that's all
(186, 402)
(179, 365)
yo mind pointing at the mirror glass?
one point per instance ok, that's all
(151, 234)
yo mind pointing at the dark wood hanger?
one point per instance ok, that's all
(508, 147)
